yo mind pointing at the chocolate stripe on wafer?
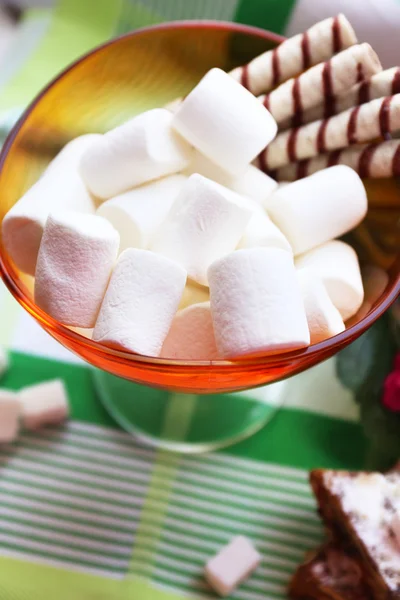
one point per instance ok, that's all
(377, 160)
(364, 123)
(296, 54)
(385, 83)
(322, 83)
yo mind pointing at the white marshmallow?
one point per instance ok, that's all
(256, 303)
(193, 294)
(191, 336)
(9, 416)
(43, 404)
(261, 231)
(324, 319)
(253, 183)
(336, 264)
(138, 213)
(4, 363)
(318, 208)
(232, 565)
(74, 264)
(206, 221)
(141, 150)
(225, 122)
(59, 188)
(140, 303)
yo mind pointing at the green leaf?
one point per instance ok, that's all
(363, 367)
(368, 359)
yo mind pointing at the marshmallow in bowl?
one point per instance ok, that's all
(320, 207)
(324, 319)
(141, 150)
(256, 303)
(336, 264)
(75, 260)
(191, 336)
(137, 214)
(205, 222)
(60, 186)
(253, 183)
(261, 231)
(225, 122)
(140, 303)
(194, 294)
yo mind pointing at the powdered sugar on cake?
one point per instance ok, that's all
(372, 505)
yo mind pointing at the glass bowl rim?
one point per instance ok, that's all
(10, 276)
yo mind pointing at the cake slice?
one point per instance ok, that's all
(329, 573)
(362, 510)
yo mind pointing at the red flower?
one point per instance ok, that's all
(391, 387)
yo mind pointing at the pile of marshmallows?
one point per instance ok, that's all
(193, 253)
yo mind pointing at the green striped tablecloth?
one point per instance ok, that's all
(86, 513)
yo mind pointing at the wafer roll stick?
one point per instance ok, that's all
(321, 83)
(296, 54)
(376, 160)
(363, 123)
(384, 83)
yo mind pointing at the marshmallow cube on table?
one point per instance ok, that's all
(140, 303)
(256, 303)
(253, 183)
(324, 319)
(225, 122)
(43, 404)
(319, 208)
(191, 336)
(205, 222)
(137, 214)
(138, 151)
(232, 565)
(336, 264)
(9, 416)
(3, 361)
(59, 188)
(75, 260)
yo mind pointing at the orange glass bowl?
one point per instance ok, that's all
(142, 70)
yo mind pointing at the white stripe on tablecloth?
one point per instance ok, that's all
(18, 514)
(246, 463)
(67, 513)
(61, 539)
(85, 462)
(201, 470)
(90, 480)
(63, 551)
